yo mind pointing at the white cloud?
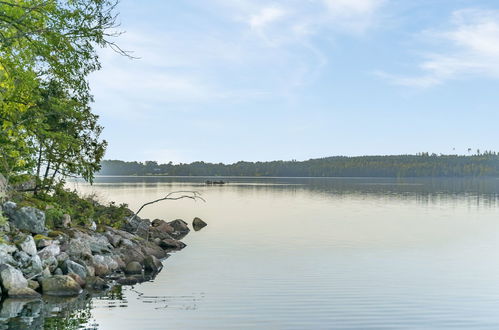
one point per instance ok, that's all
(266, 16)
(226, 59)
(471, 48)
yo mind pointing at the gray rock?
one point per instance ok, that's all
(58, 272)
(70, 266)
(152, 264)
(63, 256)
(198, 224)
(27, 244)
(23, 293)
(52, 250)
(181, 228)
(12, 278)
(34, 285)
(96, 283)
(79, 248)
(6, 251)
(133, 268)
(66, 220)
(3, 186)
(104, 265)
(93, 226)
(33, 267)
(172, 244)
(26, 218)
(60, 285)
(99, 245)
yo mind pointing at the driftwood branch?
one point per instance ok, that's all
(173, 196)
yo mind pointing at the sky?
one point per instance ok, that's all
(230, 80)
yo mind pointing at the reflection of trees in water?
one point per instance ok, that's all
(50, 312)
(471, 191)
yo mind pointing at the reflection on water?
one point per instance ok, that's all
(301, 253)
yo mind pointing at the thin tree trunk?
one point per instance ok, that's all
(38, 169)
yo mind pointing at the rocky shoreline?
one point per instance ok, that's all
(69, 260)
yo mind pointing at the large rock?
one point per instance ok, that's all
(12, 278)
(99, 244)
(27, 244)
(198, 224)
(25, 218)
(171, 244)
(30, 266)
(152, 264)
(52, 250)
(79, 248)
(181, 228)
(133, 268)
(66, 221)
(23, 293)
(96, 283)
(71, 267)
(6, 251)
(137, 226)
(150, 248)
(3, 186)
(60, 285)
(104, 264)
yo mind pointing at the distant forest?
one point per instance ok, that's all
(420, 165)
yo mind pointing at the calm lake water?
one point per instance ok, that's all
(302, 253)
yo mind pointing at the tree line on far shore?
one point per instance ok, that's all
(420, 165)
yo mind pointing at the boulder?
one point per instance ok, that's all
(52, 250)
(99, 244)
(42, 241)
(79, 248)
(60, 285)
(23, 293)
(104, 262)
(130, 254)
(70, 267)
(29, 266)
(181, 228)
(96, 283)
(6, 251)
(66, 221)
(78, 279)
(150, 248)
(12, 278)
(198, 224)
(133, 268)
(152, 264)
(3, 186)
(172, 244)
(25, 218)
(27, 244)
(34, 285)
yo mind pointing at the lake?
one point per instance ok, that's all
(309, 253)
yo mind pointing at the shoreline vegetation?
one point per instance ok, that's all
(484, 164)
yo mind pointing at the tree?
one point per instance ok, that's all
(67, 138)
(47, 43)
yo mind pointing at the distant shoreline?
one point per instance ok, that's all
(422, 165)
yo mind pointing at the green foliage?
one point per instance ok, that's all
(422, 165)
(83, 210)
(47, 50)
(53, 217)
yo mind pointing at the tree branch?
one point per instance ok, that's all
(194, 195)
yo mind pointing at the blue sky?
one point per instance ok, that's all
(229, 80)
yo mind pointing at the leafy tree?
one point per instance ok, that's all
(47, 50)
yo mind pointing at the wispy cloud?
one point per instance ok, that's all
(242, 41)
(469, 47)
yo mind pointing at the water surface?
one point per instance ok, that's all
(302, 253)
